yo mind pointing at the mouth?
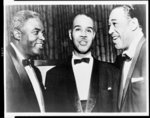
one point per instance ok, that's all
(115, 37)
(39, 45)
(83, 43)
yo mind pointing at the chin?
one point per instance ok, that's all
(117, 47)
(84, 51)
(38, 52)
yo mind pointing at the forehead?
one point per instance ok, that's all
(83, 20)
(33, 23)
(117, 14)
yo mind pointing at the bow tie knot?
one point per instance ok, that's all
(125, 57)
(86, 60)
(27, 62)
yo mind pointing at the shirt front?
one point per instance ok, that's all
(33, 78)
(82, 73)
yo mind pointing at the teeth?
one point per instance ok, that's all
(40, 45)
(114, 38)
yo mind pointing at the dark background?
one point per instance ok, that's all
(57, 21)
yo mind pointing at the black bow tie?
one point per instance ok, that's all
(125, 57)
(86, 60)
(27, 62)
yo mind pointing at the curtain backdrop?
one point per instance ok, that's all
(57, 21)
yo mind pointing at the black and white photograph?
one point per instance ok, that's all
(76, 58)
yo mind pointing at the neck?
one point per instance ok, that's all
(137, 35)
(21, 50)
(134, 36)
(80, 55)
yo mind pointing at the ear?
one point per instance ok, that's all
(70, 34)
(94, 35)
(17, 34)
(134, 24)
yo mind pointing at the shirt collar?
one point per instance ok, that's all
(76, 57)
(132, 47)
(19, 55)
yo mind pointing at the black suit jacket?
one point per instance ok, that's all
(61, 92)
(20, 95)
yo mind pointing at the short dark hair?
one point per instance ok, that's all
(135, 11)
(88, 14)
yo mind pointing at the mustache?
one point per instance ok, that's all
(83, 38)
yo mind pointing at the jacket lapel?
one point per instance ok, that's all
(93, 91)
(72, 88)
(22, 74)
(129, 76)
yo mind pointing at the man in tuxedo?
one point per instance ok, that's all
(126, 30)
(24, 89)
(82, 83)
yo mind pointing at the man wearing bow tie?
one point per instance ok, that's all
(126, 23)
(82, 83)
(24, 89)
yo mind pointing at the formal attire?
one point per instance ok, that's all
(24, 89)
(132, 94)
(96, 92)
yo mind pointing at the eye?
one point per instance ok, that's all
(77, 29)
(114, 24)
(89, 30)
(35, 32)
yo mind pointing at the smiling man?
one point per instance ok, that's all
(126, 28)
(82, 83)
(24, 89)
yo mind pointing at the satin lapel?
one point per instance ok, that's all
(71, 88)
(22, 73)
(129, 76)
(39, 77)
(93, 91)
(121, 89)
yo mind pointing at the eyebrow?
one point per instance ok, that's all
(80, 26)
(37, 29)
(113, 19)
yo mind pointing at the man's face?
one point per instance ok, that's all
(119, 28)
(82, 33)
(32, 40)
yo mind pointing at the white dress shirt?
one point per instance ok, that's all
(33, 78)
(82, 73)
(130, 52)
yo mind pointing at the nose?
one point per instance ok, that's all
(41, 36)
(83, 34)
(111, 29)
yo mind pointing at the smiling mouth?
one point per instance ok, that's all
(40, 45)
(115, 38)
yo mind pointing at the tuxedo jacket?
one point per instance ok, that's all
(61, 91)
(20, 95)
(133, 98)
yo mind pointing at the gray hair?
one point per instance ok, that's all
(21, 17)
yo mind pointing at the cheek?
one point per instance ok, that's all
(75, 35)
(90, 38)
(33, 40)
